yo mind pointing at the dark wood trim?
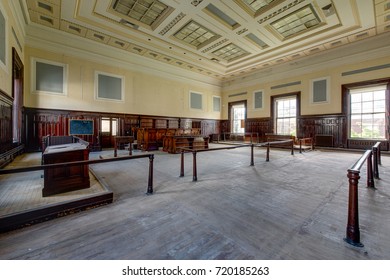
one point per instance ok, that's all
(230, 105)
(345, 108)
(26, 218)
(17, 94)
(273, 97)
(6, 102)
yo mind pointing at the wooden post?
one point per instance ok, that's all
(292, 147)
(353, 231)
(194, 170)
(182, 164)
(252, 160)
(376, 152)
(150, 180)
(267, 154)
(300, 146)
(370, 178)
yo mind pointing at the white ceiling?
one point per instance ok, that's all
(342, 22)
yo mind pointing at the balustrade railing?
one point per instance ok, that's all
(372, 158)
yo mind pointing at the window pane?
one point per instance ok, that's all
(114, 127)
(356, 97)
(379, 106)
(105, 125)
(356, 108)
(367, 107)
(367, 96)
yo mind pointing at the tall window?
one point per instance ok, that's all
(286, 115)
(367, 112)
(238, 118)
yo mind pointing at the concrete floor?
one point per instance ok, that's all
(293, 207)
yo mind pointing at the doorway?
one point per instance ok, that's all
(109, 129)
(17, 94)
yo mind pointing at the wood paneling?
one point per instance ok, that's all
(5, 122)
(42, 122)
(334, 125)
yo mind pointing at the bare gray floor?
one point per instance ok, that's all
(293, 207)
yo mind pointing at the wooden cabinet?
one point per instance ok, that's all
(65, 179)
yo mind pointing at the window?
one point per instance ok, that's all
(216, 104)
(258, 99)
(196, 101)
(368, 112)
(49, 77)
(238, 118)
(286, 115)
(109, 87)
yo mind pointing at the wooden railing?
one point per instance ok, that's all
(83, 162)
(195, 151)
(372, 158)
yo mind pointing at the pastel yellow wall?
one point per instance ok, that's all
(145, 94)
(307, 108)
(11, 42)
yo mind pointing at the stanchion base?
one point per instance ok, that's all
(356, 244)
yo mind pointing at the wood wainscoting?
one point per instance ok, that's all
(5, 122)
(43, 122)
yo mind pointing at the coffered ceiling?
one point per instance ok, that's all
(220, 39)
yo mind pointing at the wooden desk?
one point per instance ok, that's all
(65, 179)
(123, 140)
(174, 143)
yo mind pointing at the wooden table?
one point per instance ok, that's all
(123, 140)
(65, 179)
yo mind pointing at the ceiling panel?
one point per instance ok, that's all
(216, 38)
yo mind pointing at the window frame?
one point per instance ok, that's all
(96, 85)
(274, 98)
(34, 61)
(219, 105)
(190, 100)
(347, 111)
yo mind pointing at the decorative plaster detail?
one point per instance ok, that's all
(172, 24)
(196, 2)
(215, 45)
(239, 32)
(281, 10)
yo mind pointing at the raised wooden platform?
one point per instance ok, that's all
(22, 203)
